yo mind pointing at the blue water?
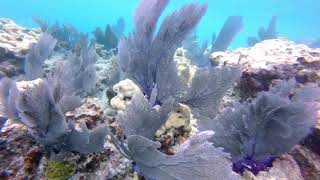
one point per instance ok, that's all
(297, 19)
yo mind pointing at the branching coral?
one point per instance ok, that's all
(110, 37)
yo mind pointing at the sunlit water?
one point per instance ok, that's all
(297, 19)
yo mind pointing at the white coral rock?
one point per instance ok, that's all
(181, 117)
(125, 90)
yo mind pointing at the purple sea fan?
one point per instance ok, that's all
(37, 105)
(267, 127)
(146, 57)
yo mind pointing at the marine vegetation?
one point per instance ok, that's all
(147, 60)
(229, 31)
(110, 36)
(37, 55)
(40, 105)
(80, 71)
(199, 54)
(264, 34)
(66, 35)
(257, 132)
(107, 38)
(229, 139)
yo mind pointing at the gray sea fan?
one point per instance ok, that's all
(146, 58)
(267, 127)
(196, 52)
(39, 111)
(8, 91)
(232, 26)
(195, 159)
(37, 55)
(78, 74)
(69, 103)
(141, 118)
(40, 106)
(208, 88)
(86, 141)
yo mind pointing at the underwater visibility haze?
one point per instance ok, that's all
(160, 89)
(296, 19)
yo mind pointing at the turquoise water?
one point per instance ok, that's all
(297, 19)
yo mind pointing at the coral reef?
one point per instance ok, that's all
(111, 35)
(272, 60)
(145, 111)
(107, 38)
(14, 45)
(67, 36)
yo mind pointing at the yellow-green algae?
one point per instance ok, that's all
(60, 170)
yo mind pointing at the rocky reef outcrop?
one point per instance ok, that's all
(272, 60)
(15, 42)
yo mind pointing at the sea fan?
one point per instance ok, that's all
(36, 104)
(229, 31)
(268, 127)
(195, 159)
(146, 58)
(141, 118)
(37, 55)
(78, 73)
